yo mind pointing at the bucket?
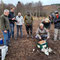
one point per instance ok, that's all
(1, 41)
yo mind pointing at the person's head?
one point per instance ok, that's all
(6, 12)
(56, 13)
(47, 20)
(19, 14)
(12, 9)
(28, 13)
(41, 26)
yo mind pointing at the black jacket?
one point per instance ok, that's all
(57, 22)
(11, 15)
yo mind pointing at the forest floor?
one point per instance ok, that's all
(22, 49)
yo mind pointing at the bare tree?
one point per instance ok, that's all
(19, 8)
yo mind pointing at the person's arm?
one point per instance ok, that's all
(10, 18)
(48, 34)
(37, 34)
(16, 19)
(25, 20)
(56, 20)
(2, 24)
(32, 19)
(22, 20)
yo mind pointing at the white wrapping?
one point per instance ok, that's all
(4, 50)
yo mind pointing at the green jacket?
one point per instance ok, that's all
(4, 23)
(28, 20)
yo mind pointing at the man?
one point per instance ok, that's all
(56, 26)
(51, 17)
(29, 24)
(12, 21)
(42, 33)
(4, 26)
(19, 23)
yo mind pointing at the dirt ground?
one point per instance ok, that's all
(22, 49)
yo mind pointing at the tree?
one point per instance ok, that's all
(19, 8)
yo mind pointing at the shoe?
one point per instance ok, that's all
(27, 36)
(32, 36)
(21, 36)
(16, 38)
(55, 40)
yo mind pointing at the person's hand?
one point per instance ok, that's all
(48, 37)
(5, 31)
(17, 21)
(13, 18)
(39, 37)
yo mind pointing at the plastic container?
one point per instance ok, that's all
(3, 52)
(42, 44)
(1, 41)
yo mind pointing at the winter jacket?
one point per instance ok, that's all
(28, 20)
(11, 15)
(57, 22)
(4, 23)
(20, 20)
(42, 32)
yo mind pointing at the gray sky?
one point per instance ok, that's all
(45, 2)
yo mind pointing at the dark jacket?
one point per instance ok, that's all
(57, 22)
(11, 15)
(28, 20)
(4, 23)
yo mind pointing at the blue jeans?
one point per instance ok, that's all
(19, 27)
(6, 37)
(44, 37)
(12, 30)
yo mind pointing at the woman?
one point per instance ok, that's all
(19, 23)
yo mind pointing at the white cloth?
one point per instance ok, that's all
(4, 50)
(20, 20)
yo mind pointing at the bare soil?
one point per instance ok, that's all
(22, 49)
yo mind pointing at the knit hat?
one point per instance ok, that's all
(41, 24)
(56, 12)
(47, 20)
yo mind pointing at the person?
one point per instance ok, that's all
(56, 26)
(51, 17)
(12, 20)
(29, 24)
(42, 33)
(5, 27)
(19, 23)
(47, 23)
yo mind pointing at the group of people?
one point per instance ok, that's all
(55, 19)
(8, 20)
(46, 23)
